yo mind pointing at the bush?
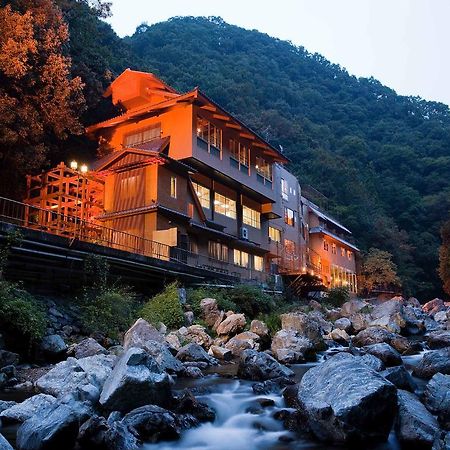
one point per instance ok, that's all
(338, 296)
(108, 310)
(20, 313)
(164, 307)
(251, 300)
(272, 320)
(195, 296)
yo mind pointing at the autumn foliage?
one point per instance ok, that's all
(40, 103)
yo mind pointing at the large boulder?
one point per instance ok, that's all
(346, 401)
(260, 328)
(389, 315)
(55, 426)
(343, 324)
(221, 353)
(136, 380)
(8, 358)
(29, 407)
(353, 306)
(436, 398)
(77, 374)
(360, 321)
(385, 352)
(259, 366)
(4, 444)
(339, 336)
(400, 378)
(53, 345)
(434, 306)
(196, 354)
(288, 346)
(243, 341)
(196, 334)
(232, 325)
(87, 347)
(438, 339)
(372, 335)
(415, 426)
(324, 325)
(306, 326)
(139, 333)
(163, 357)
(433, 362)
(210, 311)
(372, 361)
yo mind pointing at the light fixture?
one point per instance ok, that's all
(73, 165)
(84, 168)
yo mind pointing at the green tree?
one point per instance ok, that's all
(444, 257)
(379, 271)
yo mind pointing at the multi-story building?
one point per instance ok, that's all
(183, 172)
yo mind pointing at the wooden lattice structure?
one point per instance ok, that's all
(66, 197)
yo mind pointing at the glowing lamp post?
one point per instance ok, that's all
(83, 170)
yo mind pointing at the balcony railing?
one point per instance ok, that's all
(72, 227)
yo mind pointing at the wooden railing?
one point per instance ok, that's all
(73, 228)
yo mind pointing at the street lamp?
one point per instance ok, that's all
(83, 170)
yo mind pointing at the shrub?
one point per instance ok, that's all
(251, 300)
(338, 296)
(20, 313)
(272, 320)
(108, 310)
(164, 307)
(195, 296)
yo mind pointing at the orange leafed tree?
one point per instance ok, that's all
(40, 103)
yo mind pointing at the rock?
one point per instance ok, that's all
(29, 407)
(4, 444)
(431, 325)
(173, 341)
(198, 335)
(136, 380)
(4, 405)
(314, 304)
(372, 335)
(324, 325)
(219, 320)
(275, 385)
(260, 328)
(55, 426)
(288, 346)
(385, 352)
(259, 366)
(414, 319)
(76, 374)
(372, 361)
(232, 325)
(163, 357)
(436, 398)
(305, 326)
(405, 346)
(188, 318)
(400, 378)
(415, 426)
(192, 372)
(442, 441)
(8, 358)
(438, 339)
(433, 362)
(92, 433)
(343, 324)
(339, 336)
(221, 353)
(87, 347)
(195, 353)
(412, 301)
(188, 404)
(210, 311)
(139, 333)
(346, 401)
(389, 315)
(353, 306)
(9, 371)
(241, 342)
(441, 316)
(53, 345)
(359, 321)
(433, 306)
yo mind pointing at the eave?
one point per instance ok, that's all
(321, 230)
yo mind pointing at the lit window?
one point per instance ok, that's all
(211, 135)
(143, 135)
(258, 262)
(217, 250)
(239, 152)
(289, 217)
(173, 187)
(325, 245)
(342, 251)
(263, 168)
(349, 254)
(224, 205)
(275, 234)
(241, 258)
(284, 189)
(289, 247)
(251, 217)
(203, 194)
(333, 248)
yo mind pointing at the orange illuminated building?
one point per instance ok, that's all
(184, 173)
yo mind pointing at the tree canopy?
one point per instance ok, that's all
(444, 257)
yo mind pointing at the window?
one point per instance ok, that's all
(144, 135)
(275, 234)
(263, 168)
(251, 217)
(342, 251)
(289, 217)
(349, 254)
(325, 245)
(258, 263)
(289, 247)
(211, 135)
(127, 187)
(224, 205)
(173, 187)
(203, 195)
(241, 258)
(240, 154)
(217, 250)
(333, 248)
(284, 189)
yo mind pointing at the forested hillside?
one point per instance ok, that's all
(382, 161)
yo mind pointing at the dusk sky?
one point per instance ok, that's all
(403, 43)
